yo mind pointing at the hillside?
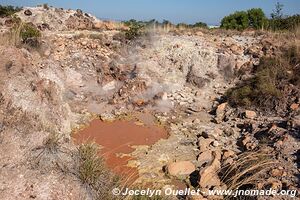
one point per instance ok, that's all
(83, 68)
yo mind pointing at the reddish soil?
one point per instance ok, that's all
(117, 138)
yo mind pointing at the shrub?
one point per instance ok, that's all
(200, 25)
(135, 29)
(262, 89)
(8, 10)
(273, 85)
(253, 18)
(91, 166)
(29, 31)
(288, 23)
(182, 25)
(93, 173)
(46, 6)
(238, 20)
(24, 33)
(240, 95)
(257, 18)
(196, 25)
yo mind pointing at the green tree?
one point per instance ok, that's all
(276, 21)
(200, 24)
(238, 20)
(277, 13)
(257, 18)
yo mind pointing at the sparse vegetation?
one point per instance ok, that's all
(135, 29)
(47, 91)
(91, 165)
(46, 6)
(47, 153)
(93, 173)
(24, 33)
(196, 25)
(253, 18)
(248, 169)
(51, 143)
(8, 10)
(267, 89)
(238, 20)
(29, 34)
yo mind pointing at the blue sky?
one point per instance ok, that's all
(188, 11)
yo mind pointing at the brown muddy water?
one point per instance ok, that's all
(117, 140)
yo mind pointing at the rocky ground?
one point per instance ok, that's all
(84, 68)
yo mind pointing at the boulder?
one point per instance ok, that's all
(294, 106)
(209, 175)
(220, 112)
(227, 154)
(236, 49)
(277, 172)
(109, 86)
(204, 143)
(214, 133)
(205, 157)
(79, 23)
(180, 168)
(249, 142)
(250, 114)
(226, 65)
(27, 12)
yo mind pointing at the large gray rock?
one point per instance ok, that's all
(226, 65)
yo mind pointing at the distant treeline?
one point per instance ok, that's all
(8, 10)
(154, 22)
(255, 18)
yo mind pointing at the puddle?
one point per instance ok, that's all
(117, 138)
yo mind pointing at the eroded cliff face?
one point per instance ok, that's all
(78, 74)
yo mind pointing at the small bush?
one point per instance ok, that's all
(290, 23)
(93, 173)
(273, 85)
(135, 30)
(91, 165)
(262, 88)
(46, 6)
(24, 33)
(196, 25)
(28, 32)
(199, 25)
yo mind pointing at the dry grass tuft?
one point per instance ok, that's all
(51, 143)
(93, 173)
(91, 165)
(248, 169)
